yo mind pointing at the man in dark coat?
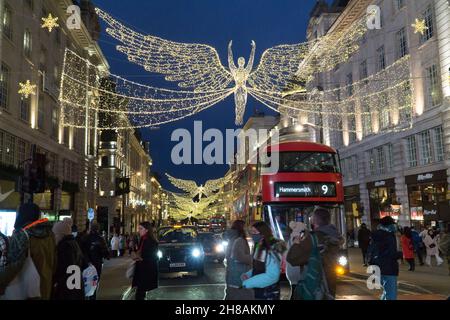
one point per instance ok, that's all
(363, 241)
(95, 250)
(383, 253)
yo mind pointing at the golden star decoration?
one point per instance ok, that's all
(27, 89)
(419, 26)
(50, 22)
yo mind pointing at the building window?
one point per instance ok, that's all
(411, 151)
(429, 32)
(381, 162)
(433, 88)
(25, 109)
(4, 86)
(426, 156)
(27, 43)
(30, 4)
(439, 144)
(366, 119)
(352, 123)
(384, 113)
(350, 84)
(54, 122)
(402, 43)
(404, 102)
(9, 151)
(41, 112)
(400, 4)
(381, 59)
(363, 71)
(372, 163)
(21, 151)
(390, 156)
(7, 22)
(58, 36)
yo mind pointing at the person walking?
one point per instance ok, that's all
(408, 248)
(115, 245)
(238, 261)
(363, 241)
(326, 239)
(42, 245)
(383, 252)
(95, 251)
(444, 245)
(264, 277)
(121, 245)
(431, 245)
(146, 270)
(68, 254)
(418, 245)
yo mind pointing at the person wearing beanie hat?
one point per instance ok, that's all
(68, 254)
(383, 252)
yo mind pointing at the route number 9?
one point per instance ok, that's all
(325, 189)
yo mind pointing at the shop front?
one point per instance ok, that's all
(383, 200)
(353, 209)
(428, 201)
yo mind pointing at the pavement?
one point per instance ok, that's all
(426, 283)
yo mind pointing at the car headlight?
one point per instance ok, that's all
(224, 243)
(343, 261)
(160, 254)
(220, 248)
(196, 253)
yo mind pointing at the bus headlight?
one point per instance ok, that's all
(160, 254)
(224, 243)
(343, 261)
(220, 248)
(196, 253)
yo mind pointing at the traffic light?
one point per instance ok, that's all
(122, 186)
(37, 174)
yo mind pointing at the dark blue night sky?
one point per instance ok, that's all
(213, 22)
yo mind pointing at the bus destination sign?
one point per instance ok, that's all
(305, 189)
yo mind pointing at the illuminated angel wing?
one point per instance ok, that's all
(213, 185)
(278, 68)
(188, 186)
(194, 66)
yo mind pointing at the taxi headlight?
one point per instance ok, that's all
(343, 261)
(224, 243)
(160, 254)
(220, 248)
(196, 253)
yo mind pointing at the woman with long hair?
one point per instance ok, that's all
(267, 255)
(146, 270)
(408, 248)
(239, 260)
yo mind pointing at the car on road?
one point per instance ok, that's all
(213, 245)
(180, 250)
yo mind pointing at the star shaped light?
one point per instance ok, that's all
(50, 22)
(27, 89)
(419, 26)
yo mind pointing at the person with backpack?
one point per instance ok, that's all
(363, 241)
(68, 254)
(238, 261)
(418, 245)
(318, 251)
(444, 246)
(95, 251)
(264, 277)
(408, 248)
(293, 273)
(383, 253)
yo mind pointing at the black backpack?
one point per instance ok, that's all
(373, 254)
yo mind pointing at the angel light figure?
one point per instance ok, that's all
(198, 66)
(240, 75)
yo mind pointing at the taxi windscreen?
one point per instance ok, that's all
(177, 235)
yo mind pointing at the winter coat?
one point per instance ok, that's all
(293, 273)
(386, 243)
(364, 238)
(68, 254)
(18, 245)
(329, 242)
(238, 259)
(115, 243)
(146, 271)
(271, 275)
(431, 245)
(121, 243)
(444, 244)
(407, 247)
(95, 250)
(43, 254)
(417, 240)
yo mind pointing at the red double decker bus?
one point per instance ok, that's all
(308, 177)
